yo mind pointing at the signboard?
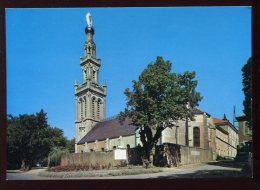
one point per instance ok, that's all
(120, 154)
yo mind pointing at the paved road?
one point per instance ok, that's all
(30, 175)
(209, 170)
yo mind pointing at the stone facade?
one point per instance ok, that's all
(221, 142)
(202, 123)
(201, 132)
(226, 138)
(109, 144)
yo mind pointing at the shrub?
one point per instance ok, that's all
(54, 157)
(80, 167)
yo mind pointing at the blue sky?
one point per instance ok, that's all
(44, 47)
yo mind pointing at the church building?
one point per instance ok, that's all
(95, 133)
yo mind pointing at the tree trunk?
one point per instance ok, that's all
(149, 143)
(25, 165)
(152, 155)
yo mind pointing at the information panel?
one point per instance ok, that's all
(120, 154)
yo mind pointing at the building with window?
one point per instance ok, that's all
(95, 133)
(108, 135)
(226, 138)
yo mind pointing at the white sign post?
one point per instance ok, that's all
(120, 154)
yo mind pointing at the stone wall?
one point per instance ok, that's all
(168, 154)
(174, 155)
(192, 155)
(104, 158)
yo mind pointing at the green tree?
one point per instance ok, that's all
(13, 143)
(159, 97)
(247, 88)
(54, 157)
(30, 139)
(70, 145)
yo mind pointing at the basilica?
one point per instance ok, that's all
(94, 132)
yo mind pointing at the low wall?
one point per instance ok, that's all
(104, 158)
(165, 155)
(192, 155)
(172, 155)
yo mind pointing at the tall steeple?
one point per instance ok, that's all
(89, 63)
(90, 95)
(90, 46)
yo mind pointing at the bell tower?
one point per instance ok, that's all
(90, 95)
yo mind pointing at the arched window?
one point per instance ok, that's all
(93, 108)
(196, 136)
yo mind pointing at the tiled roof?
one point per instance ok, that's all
(112, 128)
(217, 121)
(224, 122)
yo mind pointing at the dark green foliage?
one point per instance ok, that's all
(247, 88)
(71, 145)
(158, 98)
(30, 139)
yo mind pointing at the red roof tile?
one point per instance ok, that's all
(216, 120)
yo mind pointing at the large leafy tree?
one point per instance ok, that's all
(30, 139)
(247, 88)
(160, 98)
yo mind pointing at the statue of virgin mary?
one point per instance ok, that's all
(89, 20)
